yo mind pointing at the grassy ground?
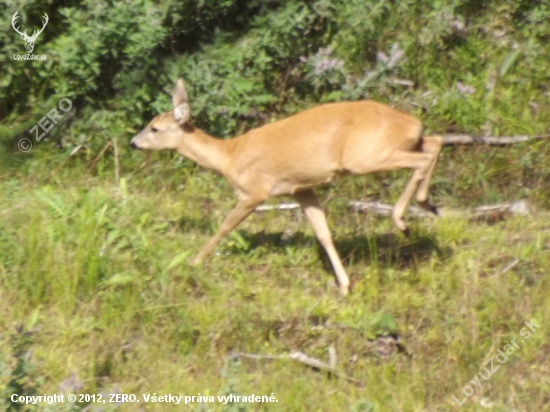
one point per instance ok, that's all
(95, 293)
(93, 282)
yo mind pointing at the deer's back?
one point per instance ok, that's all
(313, 147)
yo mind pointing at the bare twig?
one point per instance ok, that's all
(75, 150)
(509, 266)
(401, 82)
(332, 357)
(258, 357)
(117, 168)
(280, 206)
(488, 140)
(94, 162)
(302, 358)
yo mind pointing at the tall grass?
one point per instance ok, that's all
(94, 275)
(95, 293)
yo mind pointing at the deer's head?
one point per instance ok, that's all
(165, 131)
(29, 40)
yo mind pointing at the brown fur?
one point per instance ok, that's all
(294, 155)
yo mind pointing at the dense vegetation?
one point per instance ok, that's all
(95, 295)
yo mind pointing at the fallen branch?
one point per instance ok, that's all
(496, 213)
(488, 212)
(94, 162)
(488, 140)
(332, 357)
(520, 207)
(401, 82)
(509, 266)
(280, 206)
(384, 209)
(302, 358)
(117, 173)
(75, 150)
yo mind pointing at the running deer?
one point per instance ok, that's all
(294, 155)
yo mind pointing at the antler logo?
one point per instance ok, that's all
(29, 40)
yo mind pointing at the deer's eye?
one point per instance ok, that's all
(154, 129)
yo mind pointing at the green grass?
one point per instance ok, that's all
(95, 293)
(93, 280)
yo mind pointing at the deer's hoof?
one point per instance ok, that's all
(344, 290)
(429, 207)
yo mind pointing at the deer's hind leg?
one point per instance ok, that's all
(431, 145)
(420, 163)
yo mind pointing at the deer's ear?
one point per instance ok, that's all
(180, 94)
(182, 112)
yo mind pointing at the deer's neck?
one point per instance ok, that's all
(204, 149)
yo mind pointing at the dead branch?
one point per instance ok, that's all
(75, 150)
(332, 357)
(384, 209)
(509, 266)
(488, 140)
(401, 82)
(280, 206)
(117, 173)
(520, 207)
(302, 358)
(94, 162)
(258, 357)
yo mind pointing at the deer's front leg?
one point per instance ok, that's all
(237, 215)
(311, 207)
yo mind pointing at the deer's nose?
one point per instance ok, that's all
(134, 146)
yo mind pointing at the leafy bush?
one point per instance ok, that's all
(479, 67)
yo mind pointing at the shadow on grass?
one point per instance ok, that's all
(390, 250)
(385, 250)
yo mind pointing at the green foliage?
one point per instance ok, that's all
(18, 374)
(96, 272)
(95, 240)
(248, 62)
(230, 374)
